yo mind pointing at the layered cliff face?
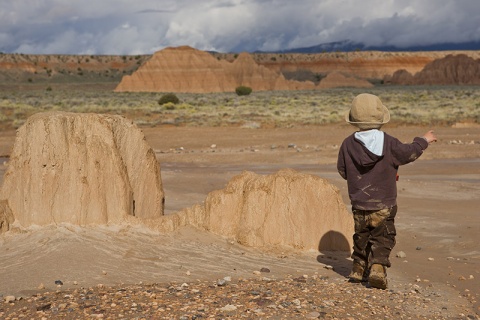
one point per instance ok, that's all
(362, 65)
(196, 71)
(184, 69)
(372, 65)
(451, 70)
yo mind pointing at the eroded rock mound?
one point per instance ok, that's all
(81, 169)
(338, 80)
(400, 77)
(185, 69)
(285, 209)
(452, 70)
(89, 169)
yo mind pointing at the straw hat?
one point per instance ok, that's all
(367, 112)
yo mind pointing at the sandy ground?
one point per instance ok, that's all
(437, 222)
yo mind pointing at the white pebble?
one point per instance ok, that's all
(228, 307)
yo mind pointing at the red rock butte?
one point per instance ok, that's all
(185, 69)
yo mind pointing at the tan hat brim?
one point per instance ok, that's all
(386, 119)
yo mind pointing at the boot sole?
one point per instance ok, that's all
(354, 280)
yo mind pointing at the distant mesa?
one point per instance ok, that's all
(451, 70)
(93, 169)
(185, 69)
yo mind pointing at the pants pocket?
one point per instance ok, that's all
(390, 228)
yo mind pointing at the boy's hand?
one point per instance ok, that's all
(430, 136)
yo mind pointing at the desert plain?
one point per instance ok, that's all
(123, 271)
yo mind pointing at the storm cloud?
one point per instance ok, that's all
(145, 26)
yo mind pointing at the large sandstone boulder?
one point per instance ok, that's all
(285, 209)
(185, 69)
(81, 169)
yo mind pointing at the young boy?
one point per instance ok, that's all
(369, 159)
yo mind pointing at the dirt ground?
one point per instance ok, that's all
(437, 222)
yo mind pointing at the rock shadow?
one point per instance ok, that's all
(335, 251)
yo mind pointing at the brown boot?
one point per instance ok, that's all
(378, 276)
(358, 273)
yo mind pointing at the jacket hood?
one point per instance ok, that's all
(361, 156)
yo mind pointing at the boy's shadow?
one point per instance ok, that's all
(335, 251)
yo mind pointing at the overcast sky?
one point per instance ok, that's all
(146, 26)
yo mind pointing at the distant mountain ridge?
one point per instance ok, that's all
(349, 46)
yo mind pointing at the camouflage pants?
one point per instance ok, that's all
(374, 236)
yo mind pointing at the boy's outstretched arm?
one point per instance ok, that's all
(404, 153)
(430, 136)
